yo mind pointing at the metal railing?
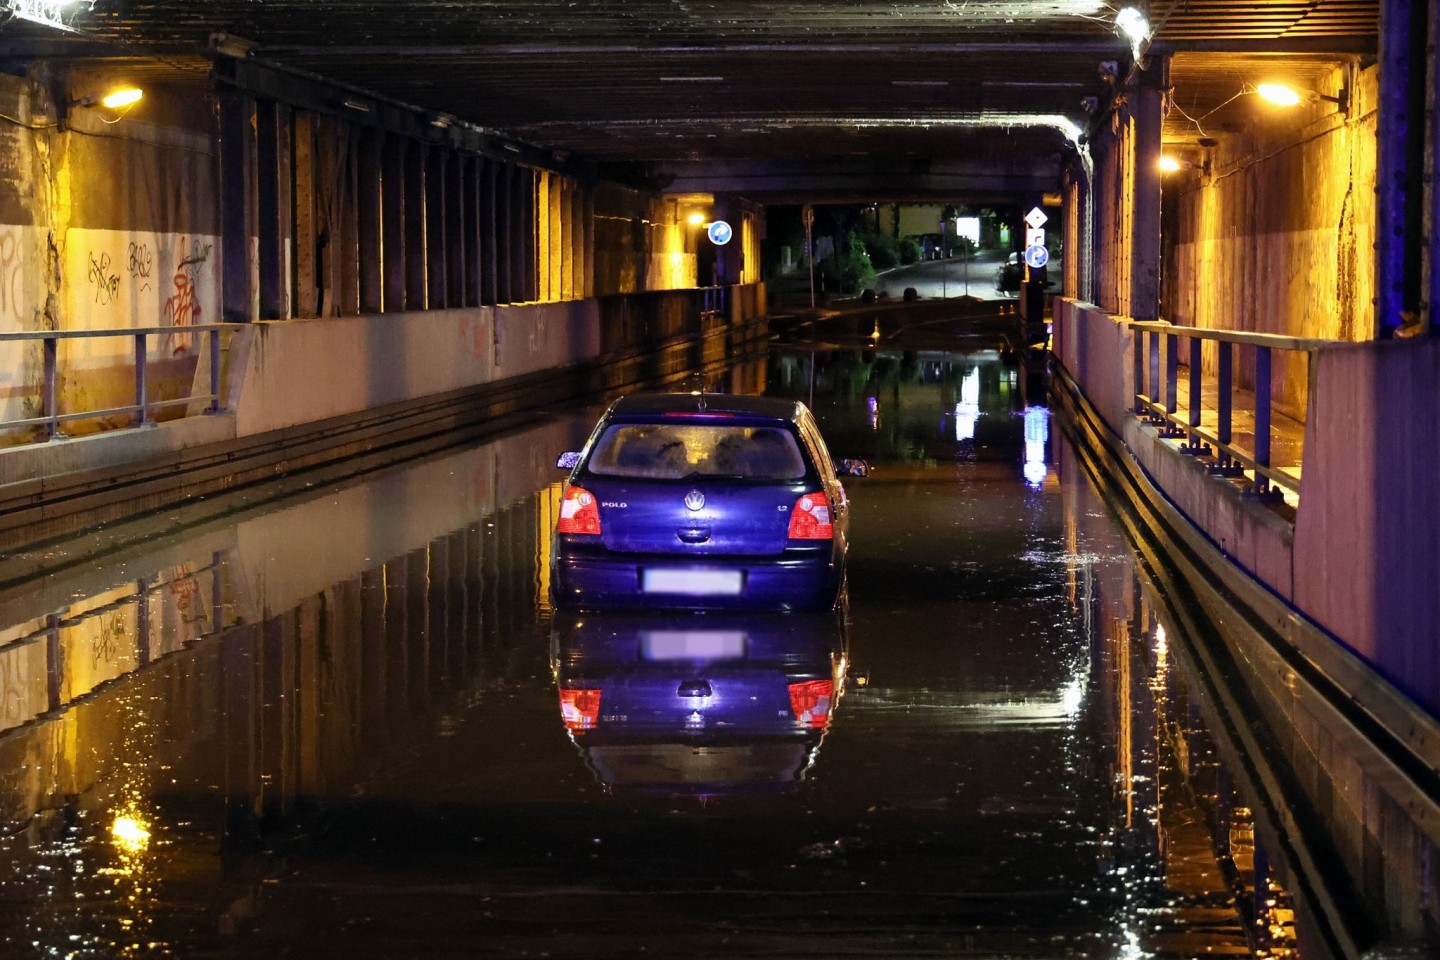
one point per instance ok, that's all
(713, 301)
(1151, 378)
(51, 418)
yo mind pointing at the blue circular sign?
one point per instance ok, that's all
(719, 232)
(1036, 257)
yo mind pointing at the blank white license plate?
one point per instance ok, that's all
(693, 644)
(696, 583)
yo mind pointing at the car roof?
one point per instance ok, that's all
(642, 405)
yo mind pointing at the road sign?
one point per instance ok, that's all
(719, 232)
(1036, 257)
(1036, 218)
(1034, 238)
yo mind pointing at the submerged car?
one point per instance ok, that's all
(702, 501)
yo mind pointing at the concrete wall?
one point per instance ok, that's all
(1279, 236)
(103, 225)
(1359, 559)
(299, 371)
(1367, 535)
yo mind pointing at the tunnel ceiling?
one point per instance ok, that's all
(653, 81)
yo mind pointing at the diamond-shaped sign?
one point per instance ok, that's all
(1036, 218)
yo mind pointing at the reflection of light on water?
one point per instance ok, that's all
(873, 405)
(1131, 949)
(967, 411)
(1074, 695)
(130, 834)
(1037, 432)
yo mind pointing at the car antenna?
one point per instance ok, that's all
(699, 392)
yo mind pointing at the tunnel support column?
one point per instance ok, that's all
(1400, 162)
(1148, 113)
(237, 193)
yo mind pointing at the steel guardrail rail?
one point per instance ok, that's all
(1159, 403)
(51, 418)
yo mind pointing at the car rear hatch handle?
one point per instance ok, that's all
(693, 534)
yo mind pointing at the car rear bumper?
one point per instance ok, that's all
(803, 583)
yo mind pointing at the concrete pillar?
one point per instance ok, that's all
(1147, 106)
(272, 124)
(437, 239)
(392, 224)
(504, 233)
(370, 220)
(727, 266)
(1400, 163)
(489, 205)
(345, 233)
(416, 275)
(237, 192)
(544, 220)
(457, 239)
(307, 266)
(367, 198)
(587, 241)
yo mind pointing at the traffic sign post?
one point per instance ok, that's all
(1036, 256)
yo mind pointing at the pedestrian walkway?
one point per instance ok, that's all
(1287, 434)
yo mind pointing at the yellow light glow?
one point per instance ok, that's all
(1169, 164)
(695, 219)
(122, 97)
(130, 834)
(1279, 94)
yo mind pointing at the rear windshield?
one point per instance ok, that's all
(665, 451)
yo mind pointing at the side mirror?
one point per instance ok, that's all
(568, 459)
(852, 468)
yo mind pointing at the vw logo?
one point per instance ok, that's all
(695, 500)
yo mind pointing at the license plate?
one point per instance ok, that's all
(693, 644)
(695, 583)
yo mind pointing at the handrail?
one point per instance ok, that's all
(1159, 403)
(51, 417)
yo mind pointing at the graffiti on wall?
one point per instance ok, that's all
(104, 279)
(142, 261)
(11, 275)
(182, 308)
(475, 335)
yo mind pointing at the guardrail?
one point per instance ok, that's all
(1164, 411)
(51, 418)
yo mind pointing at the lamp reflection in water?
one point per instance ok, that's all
(967, 411)
(1037, 433)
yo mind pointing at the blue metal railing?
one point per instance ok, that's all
(1157, 395)
(141, 410)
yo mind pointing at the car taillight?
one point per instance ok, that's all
(810, 518)
(580, 709)
(811, 701)
(579, 513)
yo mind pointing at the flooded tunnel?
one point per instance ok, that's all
(341, 718)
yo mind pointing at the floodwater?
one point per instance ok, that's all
(342, 721)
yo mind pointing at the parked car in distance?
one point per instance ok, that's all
(702, 501)
(1010, 275)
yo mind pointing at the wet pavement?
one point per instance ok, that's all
(344, 721)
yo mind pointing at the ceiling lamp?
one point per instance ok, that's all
(1132, 25)
(1286, 96)
(117, 99)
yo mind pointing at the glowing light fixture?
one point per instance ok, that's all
(1169, 164)
(695, 219)
(1133, 26)
(123, 97)
(116, 99)
(1278, 94)
(1286, 96)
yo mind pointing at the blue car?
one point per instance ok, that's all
(701, 706)
(702, 501)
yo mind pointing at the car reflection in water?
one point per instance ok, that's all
(712, 706)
